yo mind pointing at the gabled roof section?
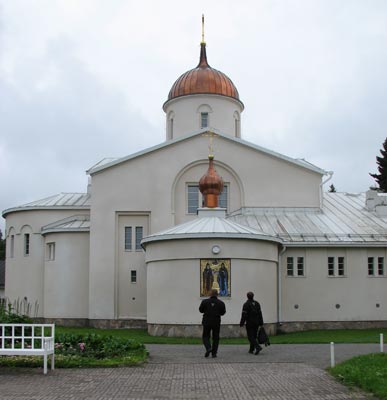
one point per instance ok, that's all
(63, 201)
(343, 221)
(75, 223)
(299, 162)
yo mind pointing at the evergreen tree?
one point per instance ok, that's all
(381, 177)
(332, 189)
(2, 246)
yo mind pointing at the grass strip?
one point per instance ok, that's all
(368, 372)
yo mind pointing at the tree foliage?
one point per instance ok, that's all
(381, 177)
(2, 246)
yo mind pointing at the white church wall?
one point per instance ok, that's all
(191, 175)
(320, 297)
(145, 185)
(66, 275)
(131, 271)
(173, 278)
(24, 273)
(186, 110)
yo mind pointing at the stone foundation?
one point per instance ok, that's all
(95, 323)
(226, 331)
(287, 327)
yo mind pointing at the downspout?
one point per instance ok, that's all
(330, 174)
(279, 287)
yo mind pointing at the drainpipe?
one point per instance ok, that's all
(330, 174)
(279, 286)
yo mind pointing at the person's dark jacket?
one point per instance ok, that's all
(251, 313)
(212, 309)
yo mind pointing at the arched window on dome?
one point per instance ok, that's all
(237, 124)
(170, 120)
(204, 111)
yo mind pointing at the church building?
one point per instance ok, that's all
(157, 230)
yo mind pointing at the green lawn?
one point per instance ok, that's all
(317, 336)
(368, 372)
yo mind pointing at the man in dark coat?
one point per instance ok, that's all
(252, 316)
(212, 309)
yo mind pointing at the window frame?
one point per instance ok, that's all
(376, 265)
(128, 238)
(295, 266)
(27, 244)
(138, 238)
(51, 251)
(133, 276)
(336, 267)
(204, 117)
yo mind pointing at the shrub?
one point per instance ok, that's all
(95, 346)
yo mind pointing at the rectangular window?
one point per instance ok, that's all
(133, 276)
(371, 267)
(295, 266)
(381, 266)
(331, 266)
(290, 266)
(139, 233)
(193, 198)
(26, 244)
(204, 120)
(336, 266)
(340, 266)
(50, 251)
(300, 266)
(128, 238)
(12, 247)
(223, 197)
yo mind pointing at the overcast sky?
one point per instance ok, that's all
(81, 80)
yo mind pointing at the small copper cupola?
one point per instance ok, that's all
(211, 185)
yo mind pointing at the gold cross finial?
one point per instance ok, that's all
(211, 136)
(203, 29)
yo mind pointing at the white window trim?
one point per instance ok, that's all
(336, 267)
(295, 267)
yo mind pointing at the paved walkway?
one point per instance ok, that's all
(181, 372)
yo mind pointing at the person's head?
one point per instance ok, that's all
(214, 292)
(222, 266)
(250, 295)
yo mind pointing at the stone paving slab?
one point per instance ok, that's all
(181, 372)
(312, 354)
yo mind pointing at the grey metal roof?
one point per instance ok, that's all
(343, 221)
(58, 201)
(204, 227)
(75, 223)
(107, 163)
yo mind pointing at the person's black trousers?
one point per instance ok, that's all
(252, 333)
(215, 330)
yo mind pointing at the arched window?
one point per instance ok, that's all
(204, 110)
(170, 121)
(237, 124)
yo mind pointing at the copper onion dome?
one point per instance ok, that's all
(203, 80)
(211, 185)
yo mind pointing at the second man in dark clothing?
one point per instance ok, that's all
(212, 309)
(252, 316)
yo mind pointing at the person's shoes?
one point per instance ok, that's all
(208, 352)
(258, 350)
(214, 356)
(251, 351)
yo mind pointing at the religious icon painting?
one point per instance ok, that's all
(215, 273)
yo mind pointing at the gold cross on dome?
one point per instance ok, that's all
(211, 136)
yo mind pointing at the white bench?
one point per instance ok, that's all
(28, 340)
